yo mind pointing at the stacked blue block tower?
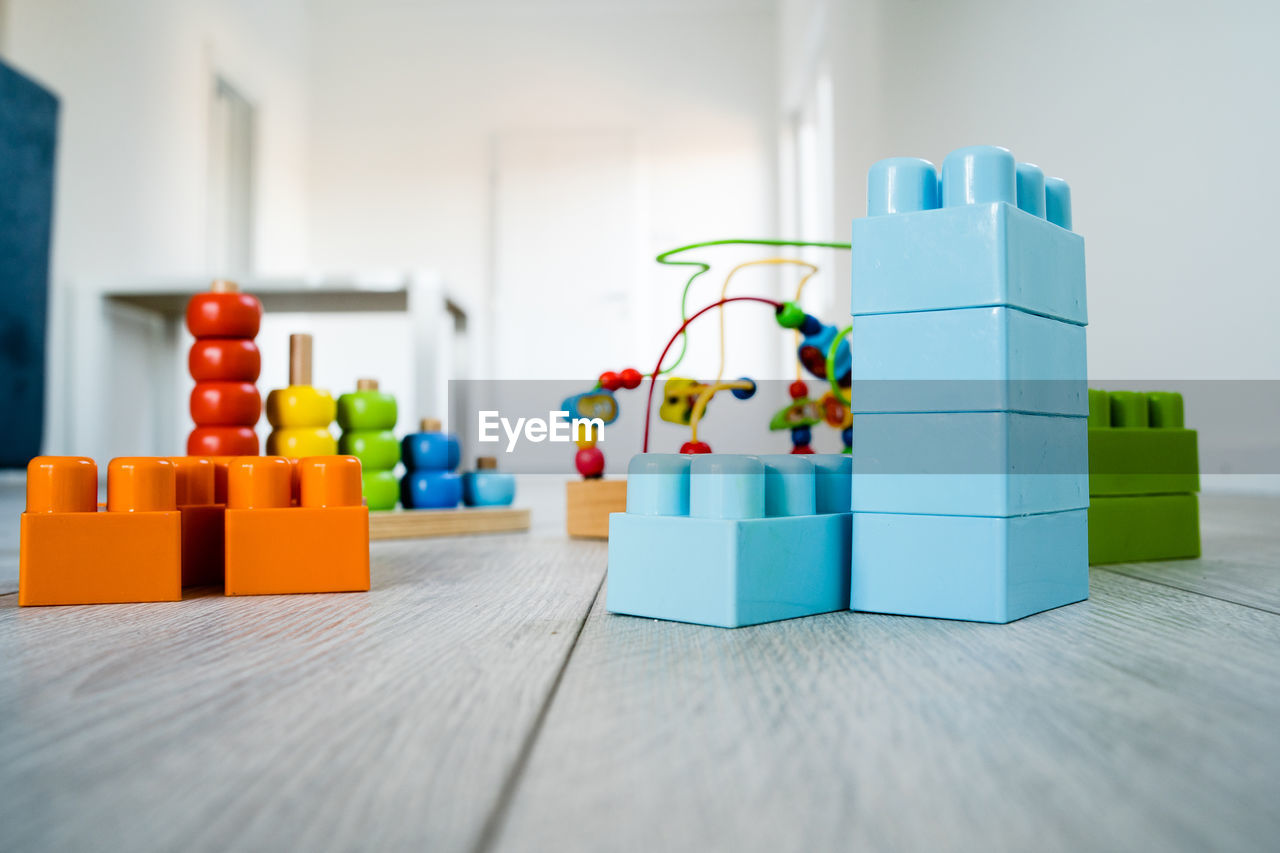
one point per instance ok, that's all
(970, 477)
(727, 540)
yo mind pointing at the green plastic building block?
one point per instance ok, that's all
(1143, 527)
(1138, 446)
(1143, 472)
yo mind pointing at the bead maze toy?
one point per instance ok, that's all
(224, 362)
(962, 401)
(1143, 476)
(820, 349)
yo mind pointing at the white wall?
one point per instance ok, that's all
(408, 100)
(1161, 116)
(135, 79)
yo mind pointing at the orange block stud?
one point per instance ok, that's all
(274, 547)
(70, 553)
(202, 517)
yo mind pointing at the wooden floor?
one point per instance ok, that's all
(481, 699)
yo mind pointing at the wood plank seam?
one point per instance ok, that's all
(492, 827)
(1110, 570)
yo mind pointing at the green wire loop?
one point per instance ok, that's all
(831, 366)
(705, 267)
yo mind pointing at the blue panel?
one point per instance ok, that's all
(28, 143)
(728, 572)
(969, 463)
(968, 256)
(968, 360)
(978, 569)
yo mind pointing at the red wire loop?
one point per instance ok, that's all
(653, 377)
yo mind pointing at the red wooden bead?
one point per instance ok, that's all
(798, 389)
(223, 315)
(225, 404)
(610, 380)
(631, 378)
(225, 359)
(222, 441)
(695, 447)
(590, 462)
(802, 449)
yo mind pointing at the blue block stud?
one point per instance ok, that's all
(1057, 202)
(978, 175)
(789, 485)
(901, 185)
(723, 485)
(1031, 189)
(833, 473)
(756, 548)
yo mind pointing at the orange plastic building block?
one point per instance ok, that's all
(274, 547)
(71, 553)
(202, 514)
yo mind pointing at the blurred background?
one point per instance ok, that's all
(475, 189)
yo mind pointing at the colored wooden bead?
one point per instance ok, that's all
(225, 404)
(610, 380)
(223, 441)
(381, 489)
(745, 393)
(811, 325)
(695, 447)
(298, 442)
(847, 437)
(790, 315)
(631, 378)
(430, 490)
(797, 390)
(367, 410)
(300, 406)
(801, 435)
(224, 359)
(802, 449)
(589, 462)
(223, 315)
(430, 451)
(377, 450)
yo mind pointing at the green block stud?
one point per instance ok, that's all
(1138, 445)
(1141, 528)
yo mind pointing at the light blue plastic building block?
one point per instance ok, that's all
(725, 540)
(968, 360)
(969, 463)
(963, 567)
(985, 246)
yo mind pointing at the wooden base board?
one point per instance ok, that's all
(422, 523)
(588, 504)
